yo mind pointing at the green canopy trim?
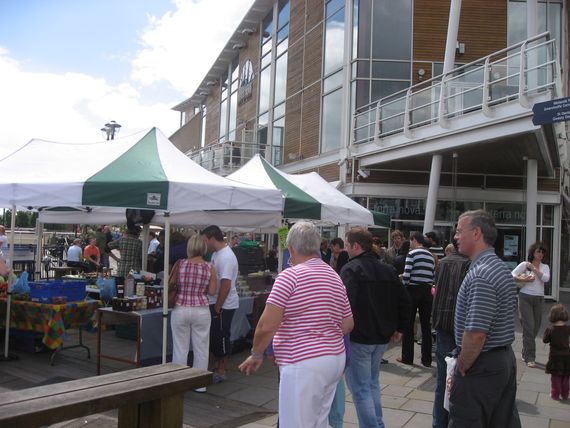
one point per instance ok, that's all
(119, 184)
(298, 204)
(381, 219)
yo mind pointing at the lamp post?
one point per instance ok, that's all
(110, 129)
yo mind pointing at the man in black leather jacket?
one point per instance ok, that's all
(381, 309)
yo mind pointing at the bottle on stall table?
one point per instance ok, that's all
(129, 286)
(120, 291)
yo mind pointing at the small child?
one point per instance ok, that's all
(558, 365)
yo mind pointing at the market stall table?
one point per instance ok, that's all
(53, 321)
(148, 337)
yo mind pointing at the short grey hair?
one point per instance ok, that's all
(484, 221)
(304, 238)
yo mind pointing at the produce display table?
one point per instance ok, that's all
(53, 321)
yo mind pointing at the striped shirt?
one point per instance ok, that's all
(314, 301)
(193, 281)
(487, 301)
(419, 269)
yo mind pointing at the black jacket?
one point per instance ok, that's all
(342, 260)
(380, 304)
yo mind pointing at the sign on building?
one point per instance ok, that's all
(551, 111)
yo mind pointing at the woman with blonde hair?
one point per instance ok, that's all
(190, 320)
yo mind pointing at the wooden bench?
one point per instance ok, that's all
(61, 271)
(146, 397)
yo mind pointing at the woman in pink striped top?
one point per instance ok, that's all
(190, 318)
(306, 316)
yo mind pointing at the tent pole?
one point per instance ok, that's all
(9, 297)
(145, 231)
(39, 249)
(165, 285)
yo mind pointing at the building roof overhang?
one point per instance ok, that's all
(254, 15)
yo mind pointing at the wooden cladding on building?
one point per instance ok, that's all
(482, 28)
(304, 69)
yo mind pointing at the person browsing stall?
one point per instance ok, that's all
(307, 314)
(225, 301)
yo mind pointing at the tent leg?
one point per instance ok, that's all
(7, 356)
(165, 285)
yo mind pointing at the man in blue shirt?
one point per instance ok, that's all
(484, 385)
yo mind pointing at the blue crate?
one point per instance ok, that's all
(45, 291)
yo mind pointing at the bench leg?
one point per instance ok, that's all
(163, 413)
(128, 416)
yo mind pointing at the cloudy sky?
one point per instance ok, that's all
(69, 66)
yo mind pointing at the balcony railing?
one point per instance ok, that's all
(227, 157)
(515, 73)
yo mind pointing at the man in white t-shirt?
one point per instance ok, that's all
(224, 303)
(75, 255)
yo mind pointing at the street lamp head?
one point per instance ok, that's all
(111, 129)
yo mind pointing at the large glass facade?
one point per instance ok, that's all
(549, 18)
(274, 48)
(333, 57)
(382, 49)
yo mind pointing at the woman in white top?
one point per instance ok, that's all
(532, 275)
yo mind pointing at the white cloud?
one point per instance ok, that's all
(181, 47)
(177, 49)
(70, 107)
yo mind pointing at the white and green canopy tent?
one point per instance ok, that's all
(308, 196)
(142, 171)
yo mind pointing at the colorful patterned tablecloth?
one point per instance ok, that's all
(53, 320)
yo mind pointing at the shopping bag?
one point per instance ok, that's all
(107, 288)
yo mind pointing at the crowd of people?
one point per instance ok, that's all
(462, 291)
(334, 310)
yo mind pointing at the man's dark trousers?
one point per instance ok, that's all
(485, 396)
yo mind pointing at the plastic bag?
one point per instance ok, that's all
(451, 364)
(21, 285)
(107, 288)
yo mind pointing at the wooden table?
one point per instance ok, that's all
(61, 271)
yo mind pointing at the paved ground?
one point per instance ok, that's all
(407, 392)
(251, 401)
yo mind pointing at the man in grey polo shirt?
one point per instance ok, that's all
(484, 385)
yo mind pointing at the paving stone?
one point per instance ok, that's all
(396, 390)
(391, 402)
(533, 422)
(254, 395)
(527, 396)
(396, 418)
(418, 406)
(420, 420)
(557, 424)
(418, 394)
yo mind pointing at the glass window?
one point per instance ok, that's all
(281, 79)
(332, 6)
(283, 17)
(363, 31)
(233, 116)
(279, 111)
(392, 29)
(400, 209)
(282, 34)
(384, 88)
(332, 82)
(278, 136)
(223, 117)
(507, 213)
(334, 43)
(362, 93)
(282, 46)
(390, 70)
(547, 215)
(267, 26)
(266, 60)
(331, 121)
(264, 81)
(266, 48)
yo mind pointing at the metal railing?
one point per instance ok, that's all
(226, 157)
(514, 73)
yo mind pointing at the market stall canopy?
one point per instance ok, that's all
(237, 220)
(144, 170)
(308, 196)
